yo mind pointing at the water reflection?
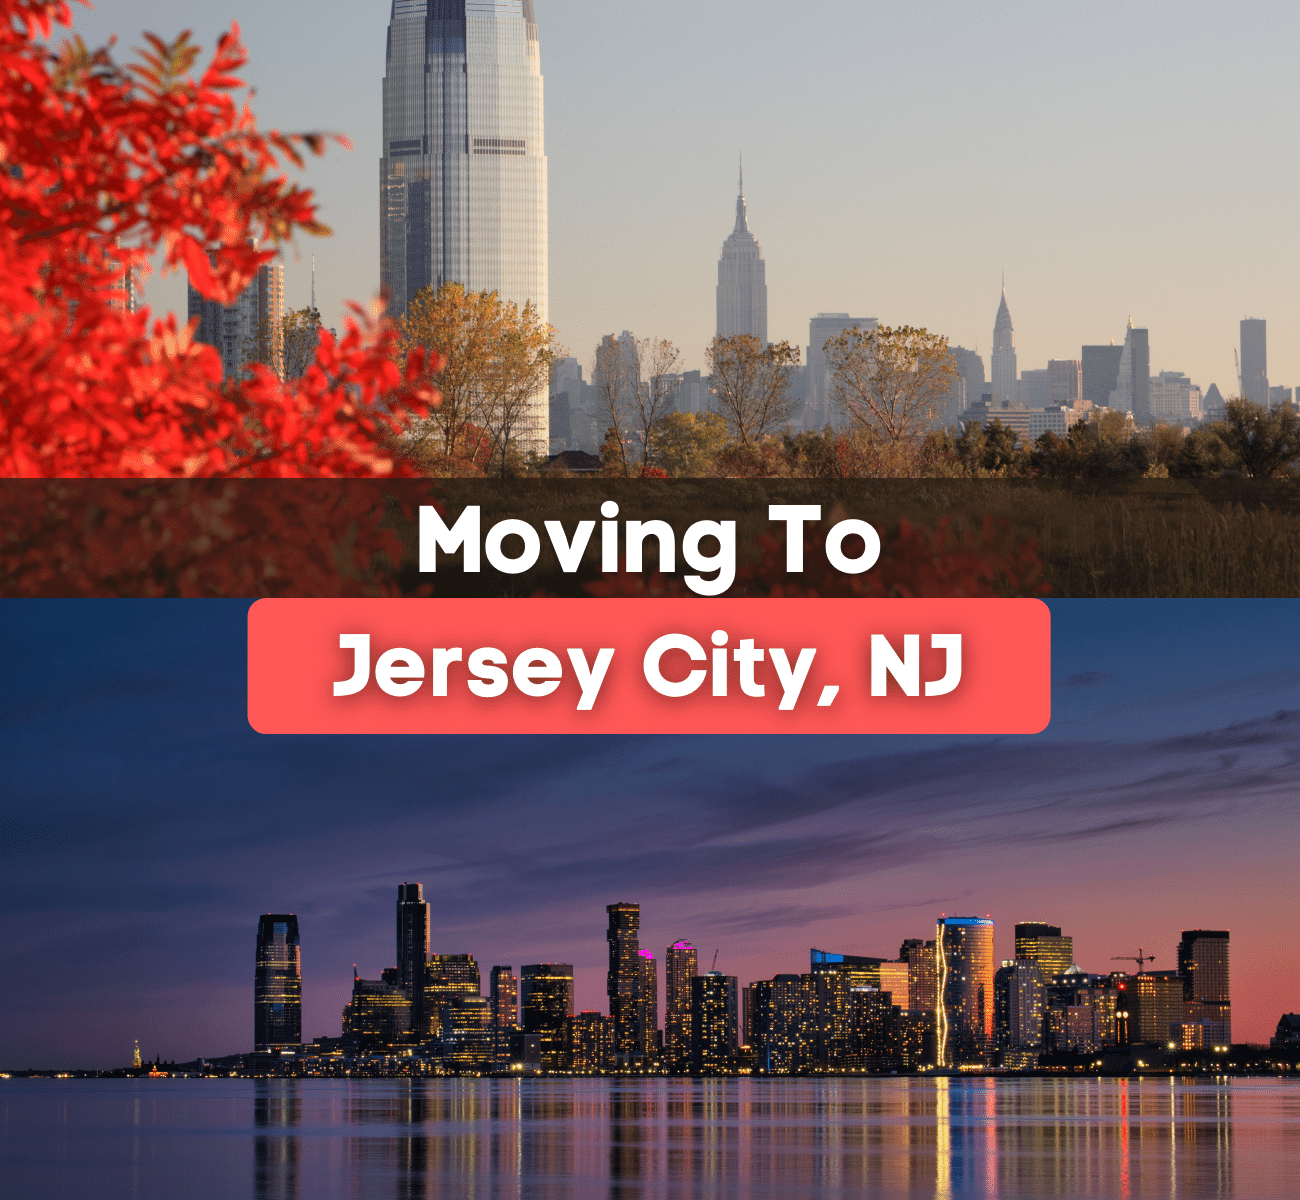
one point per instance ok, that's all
(894, 1138)
(277, 1108)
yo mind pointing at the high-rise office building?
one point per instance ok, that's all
(1018, 1005)
(1044, 945)
(249, 330)
(277, 984)
(921, 975)
(648, 1008)
(1003, 364)
(1207, 992)
(446, 977)
(1064, 381)
(545, 1001)
(1132, 391)
(462, 179)
(742, 281)
(964, 961)
(1155, 1006)
(377, 1017)
(588, 1042)
(968, 388)
(713, 1023)
(412, 935)
(863, 972)
(623, 983)
(681, 965)
(1099, 372)
(820, 410)
(413, 948)
(504, 994)
(1254, 361)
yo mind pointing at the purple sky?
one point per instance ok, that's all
(145, 827)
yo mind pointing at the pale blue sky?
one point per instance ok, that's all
(1113, 158)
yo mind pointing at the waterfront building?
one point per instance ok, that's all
(1003, 363)
(919, 956)
(964, 959)
(681, 965)
(864, 972)
(412, 946)
(777, 1021)
(648, 1042)
(504, 994)
(545, 1001)
(1254, 361)
(1044, 944)
(588, 1042)
(714, 1041)
(377, 1017)
(1155, 1005)
(446, 977)
(1018, 1005)
(742, 281)
(1081, 1012)
(465, 1033)
(462, 177)
(873, 1032)
(277, 984)
(625, 978)
(1207, 994)
(248, 330)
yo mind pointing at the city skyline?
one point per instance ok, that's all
(1161, 766)
(951, 232)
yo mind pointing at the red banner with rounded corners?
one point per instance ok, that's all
(620, 666)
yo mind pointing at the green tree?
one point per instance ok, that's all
(687, 445)
(751, 382)
(891, 383)
(1264, 440)
(991, 449)
(299, 336)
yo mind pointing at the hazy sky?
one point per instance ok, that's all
(145, 826)
(1112, 158)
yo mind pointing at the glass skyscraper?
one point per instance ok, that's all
(964, 963)
(462, 181)
(277, 984)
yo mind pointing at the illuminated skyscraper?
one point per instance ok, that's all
(462, 180)
(1207, 992)
(1003, 366)
(742, 281)
(648, 1008)
(1018, 1005)
(681, 965)
(1044, 945)
(964, 962)
(919, 956)
(714, 1029)
(505, 998)
(446, 978)
(377, 1016)
(625, 979)
(277, 984)
(545, 1001)
(412, 947)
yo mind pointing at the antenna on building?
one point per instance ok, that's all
(313, 283)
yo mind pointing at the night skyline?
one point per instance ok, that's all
(1157, 794)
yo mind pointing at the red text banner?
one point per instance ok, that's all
(621, 666)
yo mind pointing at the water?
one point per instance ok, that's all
(674, 1139)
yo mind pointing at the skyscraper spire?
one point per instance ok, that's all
(742, 285)
(313, 282)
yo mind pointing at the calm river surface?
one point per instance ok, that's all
(670, 1138)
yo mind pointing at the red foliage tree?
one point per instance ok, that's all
(102, 166)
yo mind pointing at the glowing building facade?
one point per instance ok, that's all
(462, 180)
(277, 984)
(681, 965)
(964, 987)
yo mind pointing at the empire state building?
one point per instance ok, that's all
(742, 281)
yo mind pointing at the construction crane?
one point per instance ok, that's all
(1140, 958)
(715, 963)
